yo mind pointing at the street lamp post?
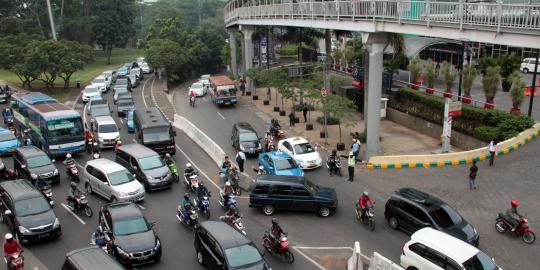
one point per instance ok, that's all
(533, 83)
(51, 19)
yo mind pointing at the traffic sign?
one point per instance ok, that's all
(454, 108)
(324, 92)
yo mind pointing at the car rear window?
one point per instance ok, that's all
(242, 256)
(445, 216)
(285, 164)
(480, 261)
(248, 137)
(261, 189)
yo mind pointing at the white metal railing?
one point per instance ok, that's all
(489, 16)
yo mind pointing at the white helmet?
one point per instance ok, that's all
(261, 167)
(227, 184)
(168, 155)
(9, 236)
(96, 156)
(119, 141)
(188, 165)
(68, 155)
(351, 153)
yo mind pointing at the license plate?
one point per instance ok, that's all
(45, 235)
(141, 259)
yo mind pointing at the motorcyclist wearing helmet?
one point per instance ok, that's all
(74, 191)
(202, 190)
(117, 145)
(168, 159)
(332, 161)
(41, 183)
(259, 170)
(186, 204)
(231, 213)
(364, 202)
(69, 161)
(7, 113)
(11, 246)
(276, 231)
(227, 192)
(99, 237)
(513, 214)
(189, 171)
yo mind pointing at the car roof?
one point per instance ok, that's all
(106, 119)
(278, 154)
(138, 150)
(280, 179)
(151, 117)
(296, 140)
(100, 77)
(446, 244)
(97, 101)
(30, 150)
(226, 236)
(420, 197)
(4, 130)
(244, 126)
(90, 86)
(123, 210)
(106, 165)
(92, 258)
(20, 189)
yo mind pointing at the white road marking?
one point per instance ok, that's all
(76, 101)
(204, 98)
(196, 167)
(73, 214)
(333, 248)
(309, 259)
(221, 115)
(142, 92)
(142, 207)
(121, 121)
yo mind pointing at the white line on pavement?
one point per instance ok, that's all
(333, 248)
(76, 101)
(142, 92)
(309, 259)
(121, 121)
(204, 98)
(142, 207)
(221, 115)
(73, 214)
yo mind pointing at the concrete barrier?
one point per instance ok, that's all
(200, 138)
(379, 262)
(448, 159)
(355, 261)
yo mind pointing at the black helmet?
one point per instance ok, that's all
(186, 196)
(73, 185)
(275, 221)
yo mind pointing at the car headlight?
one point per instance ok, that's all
(150, 178)
(242, 148)
(158, 244)
(120, 193)
(55, 171)
(24, 230)
(56, 223)
(121, 252)
(100, 139)
(475, 232)
(33, 175)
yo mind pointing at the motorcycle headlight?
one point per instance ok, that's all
(56, 223)
(121, 252)
(158, 244)
(24, 230)
(242, 148)
(33, 175)
(55, 171)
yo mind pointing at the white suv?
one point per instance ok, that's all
(90, 92)
(106, 131)
(112, 181)
(430, 249)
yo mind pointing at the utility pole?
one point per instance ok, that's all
(533, 87)
(51, 19)
(326, 68)
(199, 12)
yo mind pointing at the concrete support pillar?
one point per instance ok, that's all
(234, 58)
(247, 32)
(241, 68)
(375, 43)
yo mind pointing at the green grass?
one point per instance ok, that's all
(90, 71)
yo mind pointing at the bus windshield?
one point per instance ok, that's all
(156, 135)
(63, 130)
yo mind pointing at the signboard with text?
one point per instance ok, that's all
(454, 108)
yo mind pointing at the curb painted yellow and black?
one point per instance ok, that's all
(514, 147)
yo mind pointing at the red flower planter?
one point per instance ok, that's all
(349, 69)
(515, 111)
(338, 66)
(430, 90)
(489, 105)
(448, 94)
(466, 99)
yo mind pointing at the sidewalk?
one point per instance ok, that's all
(395, 139)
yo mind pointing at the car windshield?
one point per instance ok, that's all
(144, 65)
(284, 164)
(107, 128)
(480, 261)
(32, 206)
(121, 82)
(120, 177)
(99, 80)
(445, 216)
(130, 115)
(248, 137)
(130, 226)
(125, 103)
(134, 71)
(120, 90)
(7, 136)
(152, 162)
(311, 187)
(90, 90)
(197, 85)
(156, 134)
(303, 148)
(39, 161)
(244, 255)
(63, 130)
(99, 111)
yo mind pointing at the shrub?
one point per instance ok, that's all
(331, 120)
(299, 107)
(288, 50)
(511, 126)
(486, 133)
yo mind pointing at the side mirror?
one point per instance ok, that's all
(135, 168)
(53, 160)
(134, 176)
(111, 111)
(7, 212)
(271, 168)
(23, 166)
(52, 203)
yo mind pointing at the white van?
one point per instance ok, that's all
(430, 249)
(106, 131)
(527, 65)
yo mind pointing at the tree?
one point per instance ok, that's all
(74, 57)
(112, 24)
(301, 37)
(414, 68)
(15, 57)
(449, 74)
(358, 49)
(491, 82)
(340, 108)
(338, 55)
(508, 63)
(166, 54)
(516, 91)
(431, 73)
(348, 55)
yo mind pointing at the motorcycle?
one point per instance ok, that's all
(80, 204)
(174, 171)
(192, 181)
(235, 222)
(229, 203)
(503, 224)
(203, 204)
(47, 193)
(235, 182)
(192, 101)
(337, 166)
(368, 218)
(105, 247)
(282, 248)
(15, 261)
(73, 172)
(191, 221)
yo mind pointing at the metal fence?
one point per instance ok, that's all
(489, 16)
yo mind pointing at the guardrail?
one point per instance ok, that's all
(489, 16)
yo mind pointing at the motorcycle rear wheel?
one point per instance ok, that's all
(528, 237)
(289, 257)
(371, 224)
(500, 226)
(238, 192)
(88, 211)
(339, 172)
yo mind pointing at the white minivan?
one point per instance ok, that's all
(112, 181)
(527, 65)
(431, 249)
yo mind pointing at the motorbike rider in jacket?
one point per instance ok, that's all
(99, 237)
(364, 202)
(185, 205)
(69, 160)
(189, 171)
(513, 214)
(276, 231)
(41, 183)
(168, 159)
(231, 214)
(332, 161)
(74, 191)
(11, 246)
(201, 191)
(227, 192)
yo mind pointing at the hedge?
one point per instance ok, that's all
(330, 120)
(482, 124)
(300, 107)
(288, 50)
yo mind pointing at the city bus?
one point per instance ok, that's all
(54, 128)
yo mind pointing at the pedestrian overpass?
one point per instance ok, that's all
(510, 24)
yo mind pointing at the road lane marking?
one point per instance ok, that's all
(73, 214)
(142, 207)
(309, 259)
(334, 248)
(221, 115)
(142, 92)
(121, 121)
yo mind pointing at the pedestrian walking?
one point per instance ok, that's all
(473, 171)
(243, 86)
(493, 149)
(292, 118)
(240, 159)
(355, 148)
(304, 112)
